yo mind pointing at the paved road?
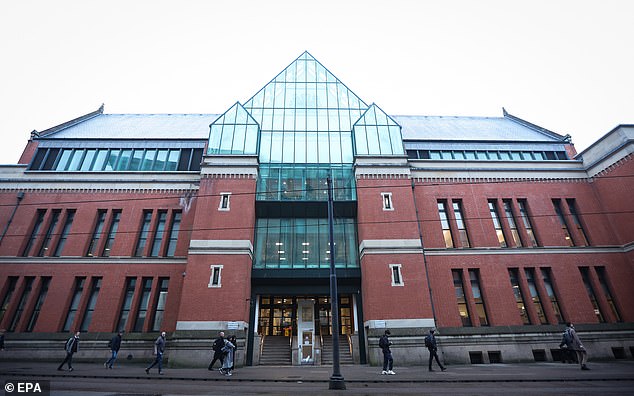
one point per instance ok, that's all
(605, 378)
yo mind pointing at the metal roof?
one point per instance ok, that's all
(455, 128)
(140, 126)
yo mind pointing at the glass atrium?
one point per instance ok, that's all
(305, 125)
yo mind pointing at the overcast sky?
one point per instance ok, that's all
(567, 66)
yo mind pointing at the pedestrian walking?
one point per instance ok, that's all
(577, 346)
(432, 347)
(227, 362)
(232, 339)
(217, 346)
(565, 346)
(159, 349)
(115, 345)
(71, 347)
(388, 361)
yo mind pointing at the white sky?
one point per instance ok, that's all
(567, 66)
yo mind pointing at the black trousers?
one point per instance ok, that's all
(68, 359)
(432, 355)
(217, 356)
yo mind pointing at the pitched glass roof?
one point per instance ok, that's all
(234, 132)
(306, 115)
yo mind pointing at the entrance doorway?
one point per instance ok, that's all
(277, 315)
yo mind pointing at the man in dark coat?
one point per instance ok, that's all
(217, 346)
(115, 345)
(388, 361)
(432, 347)
(159, 349)
(72, 346)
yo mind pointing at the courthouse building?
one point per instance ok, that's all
(493, 230)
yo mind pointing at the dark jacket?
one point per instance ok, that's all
(384, 343)
(159, 345)
(218, 344)
(72, 345)
(430, 342)
(115, 343)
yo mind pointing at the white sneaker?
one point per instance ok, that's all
(390, 372)
(383, 372)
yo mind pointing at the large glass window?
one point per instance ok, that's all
(159, 232)
(173, 233)
(474, 276)
(527, 222)
(96, 234)
(26, 292)
(603, 280)
(95, 286)
(143, 235)
(49, 232)
(496, 223)
(161, 299)
(6, 299)
(519, 296)
(144, 302)
(562, 221)
(126, 305)
(532, 288)
(585, 275)
(74, 304)
(462, 229)
(510, 218)
(34, 232)
(552, 296)
(38, 304)
(444, 223)
(70, 216)
(303, 243)
(461, 298)
(572, 207)
(112, 232)
(305, 183)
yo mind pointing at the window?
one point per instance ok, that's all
(474, 276)
(114, 226)
(532, 287)
(11, 283)
(550, 290)
(508, 211)
(143, 235)
(601, 274)
(49, 232)
(562, 221)
(224, 201)
(462, 229)
(572, 206)
(519, 297)
(397, 278)
(34, 232)
(496, 223)
(95, 286)
(585, 275)
(17, 315)
(463, 308)
(161, 298)
(527, 222)
(38, 304)
(159, 233)
(144, 302)
(70, 216)
(387, 201)
(173, 233)
(96, 234)
(444, 222)
(124, 312)
(215, 279)
(74, 304)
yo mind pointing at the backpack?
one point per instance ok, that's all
(69, 343)
(566, 339)
(428, 343)
(383, 342)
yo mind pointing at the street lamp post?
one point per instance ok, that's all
(336, 379)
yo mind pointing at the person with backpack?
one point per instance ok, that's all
(217, 346)
(577, 346)
(114, 344)
(566, 348)
(71, 347)
(388, 360)
(159, 349)
(432, 347)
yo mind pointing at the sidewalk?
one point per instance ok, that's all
(511, 372)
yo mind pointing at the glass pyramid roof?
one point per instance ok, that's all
(306, 116)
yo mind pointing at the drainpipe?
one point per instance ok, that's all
(422, 245)
(15, 208)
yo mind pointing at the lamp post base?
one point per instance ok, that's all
(337, 383)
